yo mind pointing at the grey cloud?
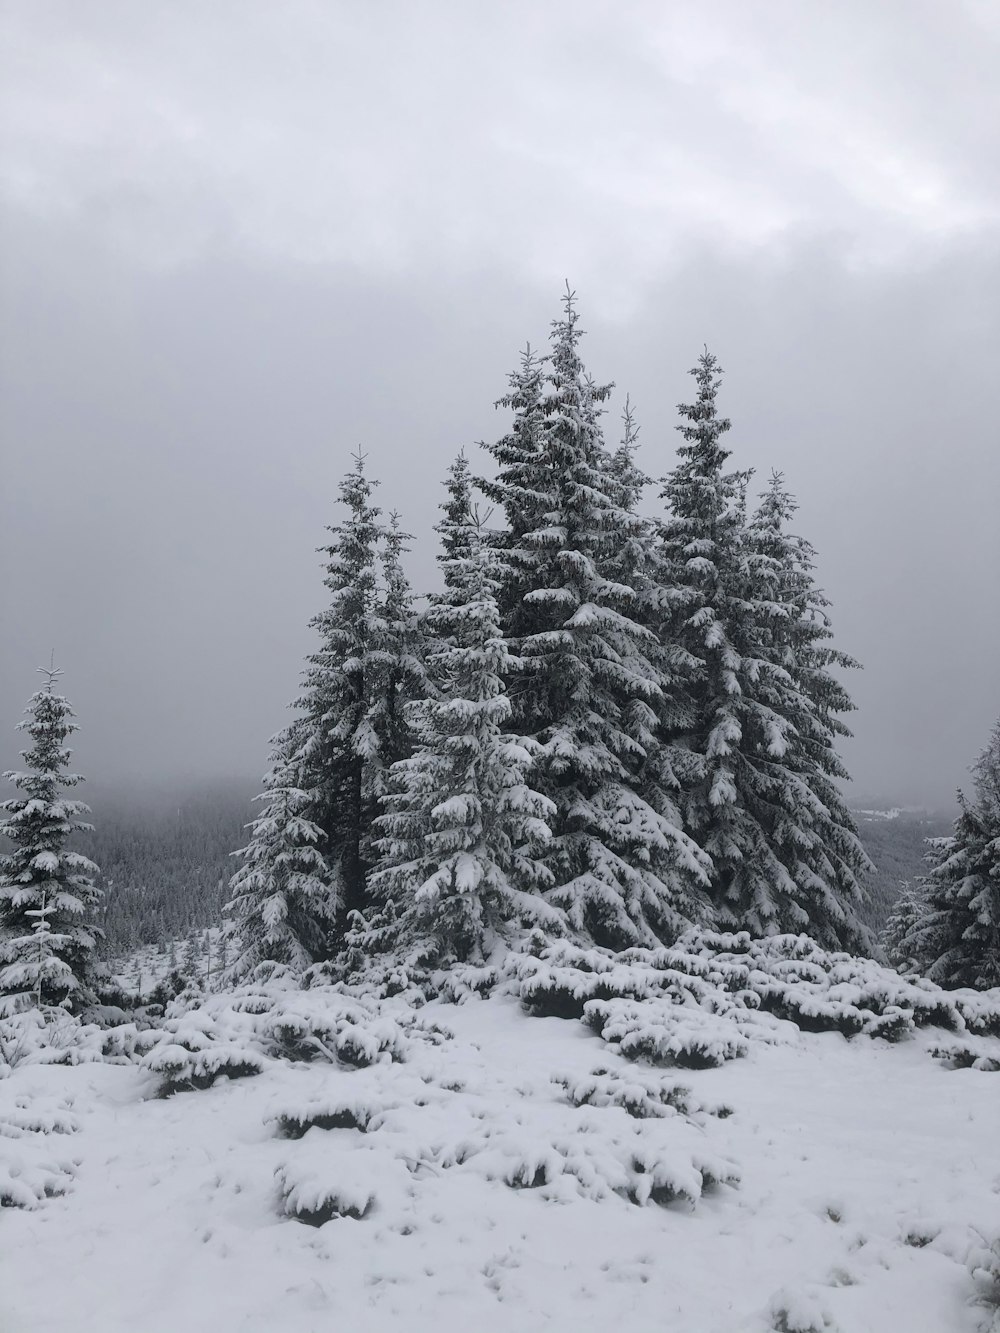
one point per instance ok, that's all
(238, 241)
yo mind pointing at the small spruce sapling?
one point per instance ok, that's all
(48, 896)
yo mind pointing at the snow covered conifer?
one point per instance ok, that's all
(760, 714)
(48, 897)
(397, 673)
(522, 488)
(814, 867)
(330, 759)
(957, 940)
(586, 689)
(283, 903)
(904, 925)
(630, 478)
(462, 828)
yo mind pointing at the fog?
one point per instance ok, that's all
(241, 240)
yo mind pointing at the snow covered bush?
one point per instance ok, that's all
(983, 1263)
(271, 1017)
(799, 1312)
(701, 1001)
(639, 1096)
(35, 1163)
(53, 1036)
(663, 1033)
(973, 1053)
(366, 1141)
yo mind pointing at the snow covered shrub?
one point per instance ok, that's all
(50, 1036)
(326, 1181)
(699, 1002)
(326, 1025)
(597, 1156)
(31, 1168)
(665, 1033)
(969, 1054)
(641, 1097)
(983, 1263)
(185, 1067)
(28, 1178)
(235, 1035)
(799, 1312)
(383, 1135)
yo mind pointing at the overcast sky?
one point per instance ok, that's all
(241, 238)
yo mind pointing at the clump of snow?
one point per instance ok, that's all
(34, 1162)
(800, 1312)
(972, 1053)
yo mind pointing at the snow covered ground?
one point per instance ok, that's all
(507, 1172)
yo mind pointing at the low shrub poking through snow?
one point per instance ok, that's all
(983, 1263)
(326, 1181)
(662, 1033)
(973, 1053)
(641, 1097)
(799, 1312)
(236, 1034)
(372, 1139)
(700, 1002)
(35, 1164)
(28, 1176)
(47, 1036)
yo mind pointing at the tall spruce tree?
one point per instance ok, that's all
(955, 939)
(339, 750)
(282, 908)
(398, 671)
(760, 706)
(793, 764)
(333, 755)
(48, 896)
(522, 488)
(585, 687)
(462, 829)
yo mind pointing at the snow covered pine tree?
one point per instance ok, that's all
(282, 908)
(462, 829)
(48, 898)
(743, 615)
(306, 866)
(585, 687)
(811, 830)
(955, 938)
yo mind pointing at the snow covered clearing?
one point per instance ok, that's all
(471, 1166)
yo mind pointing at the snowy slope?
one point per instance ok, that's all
(864, 1186)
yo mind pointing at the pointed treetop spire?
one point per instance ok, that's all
(51, 672)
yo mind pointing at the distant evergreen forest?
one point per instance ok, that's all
(897, 847)
(166, 859)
